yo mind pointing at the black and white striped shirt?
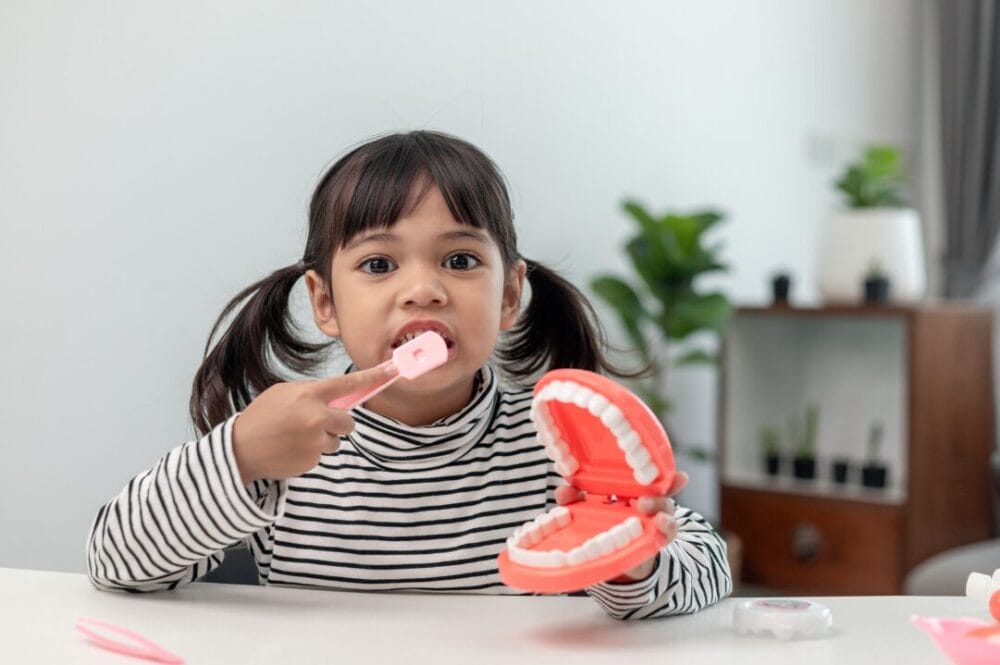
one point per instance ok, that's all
(395, 508)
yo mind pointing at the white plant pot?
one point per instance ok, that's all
(855, 239)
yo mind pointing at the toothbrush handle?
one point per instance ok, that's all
(348, 402)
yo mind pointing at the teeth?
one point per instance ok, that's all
(646, 474)
(413, 334)
(562, 516)
(612, 417)
(597, 404)
(605, 543)
(630, 442)
(581, 397)
(532, 533)
(621, 535)
(637, 456)
(567, 468)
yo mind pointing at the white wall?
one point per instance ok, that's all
(157, 157)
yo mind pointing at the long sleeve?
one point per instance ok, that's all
(170, 523)
(691, 573)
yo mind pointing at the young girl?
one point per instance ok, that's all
(420, 487)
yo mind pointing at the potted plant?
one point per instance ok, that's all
(661, 304)
(840, 469)
(876, 285)
(781, 284)
(874, 473)
(875, 225)
(803, 438)
(770, 447)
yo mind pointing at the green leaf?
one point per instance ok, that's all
(624, 300)
(696, 357)
(695, 453)
(693, 312)
(875, 180)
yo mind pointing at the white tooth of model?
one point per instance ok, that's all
(605, 543)
(629, 442)
(547, 524)
(555, 559)
(646, 474)
(576, 556)
(597, 404)
(620, 534)
(591, 550)
(567, 467)
(612, 417)
(637, 457)
(562, 516)
(622, 429)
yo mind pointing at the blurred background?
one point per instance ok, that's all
(155, 158)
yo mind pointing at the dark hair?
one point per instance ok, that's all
(370, 188)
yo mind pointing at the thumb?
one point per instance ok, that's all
(346, 384)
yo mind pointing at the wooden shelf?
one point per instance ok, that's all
(924, 372)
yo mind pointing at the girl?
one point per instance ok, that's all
(421, 487)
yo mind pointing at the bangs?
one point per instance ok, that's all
(392, 177)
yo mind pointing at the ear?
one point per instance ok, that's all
(324, 312)
(511, 307)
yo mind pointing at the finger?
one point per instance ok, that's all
(332, 444)
(679, 482)
(667, 525)
(333, 387)
(337, 423)
(650, 505)
(568, 494)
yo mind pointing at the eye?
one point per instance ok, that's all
(462, 261)
(377, 265)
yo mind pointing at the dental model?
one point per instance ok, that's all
(606, 442)
(418, 356)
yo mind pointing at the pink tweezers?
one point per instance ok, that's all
(140, 647)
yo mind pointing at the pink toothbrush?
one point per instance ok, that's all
(418, 356)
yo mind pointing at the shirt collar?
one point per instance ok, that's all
(391, 444)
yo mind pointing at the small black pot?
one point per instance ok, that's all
(804, 467)
(839, 471)
(874, 475)
(772, 464)
(877, 290)
(780, 286)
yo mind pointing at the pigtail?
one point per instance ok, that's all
(237, 368)
(559, 328)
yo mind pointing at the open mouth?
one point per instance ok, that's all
(602, 533)
(605, 441)
(413, 333)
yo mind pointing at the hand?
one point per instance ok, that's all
(661, 506)
(284, 431)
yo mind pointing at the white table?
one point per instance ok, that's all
(218, 623)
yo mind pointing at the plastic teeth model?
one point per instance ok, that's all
(604, 440)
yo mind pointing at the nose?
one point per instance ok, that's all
(422, 287)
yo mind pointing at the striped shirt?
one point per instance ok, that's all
(396, 508)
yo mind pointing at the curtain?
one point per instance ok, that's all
(969, 32)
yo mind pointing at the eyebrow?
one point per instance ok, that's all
(385, 236)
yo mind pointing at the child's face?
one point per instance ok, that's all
(425, 272)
